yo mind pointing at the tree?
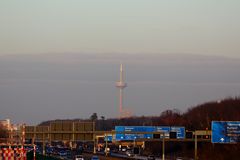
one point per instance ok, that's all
(3, 132)
(94, 117)
(103, 119)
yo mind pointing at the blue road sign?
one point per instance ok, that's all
(180, 131)
(165, 129)
(108, 138)
(225, 131)
(120, 136)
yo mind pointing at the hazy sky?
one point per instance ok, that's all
(34, 88)
(117, 26)
(60, 58)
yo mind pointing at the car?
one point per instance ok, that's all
(94, 158)
(115, 150)
(129, 154)
(151, 157)
(49, 150)
(79, 157)
(62, 153)
(124, 149)
(28, 148)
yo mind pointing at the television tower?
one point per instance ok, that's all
(121, 85)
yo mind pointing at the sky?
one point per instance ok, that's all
(113, 26)
(61, 58)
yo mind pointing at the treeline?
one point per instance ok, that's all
(195, 118)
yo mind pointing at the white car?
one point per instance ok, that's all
(79, 157)
(129, 154)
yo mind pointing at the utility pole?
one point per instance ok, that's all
(23, 135)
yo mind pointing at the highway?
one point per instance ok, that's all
(113, 156)
(117, 156)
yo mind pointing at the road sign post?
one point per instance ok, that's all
(94, 143)
(163, 147)
(195, 153)
(44, 144)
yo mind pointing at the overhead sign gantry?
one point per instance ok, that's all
(178, 130)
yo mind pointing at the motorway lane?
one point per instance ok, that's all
(114, 156)
(88, 157)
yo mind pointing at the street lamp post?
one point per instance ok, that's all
(163, 147)
(106, 147)
(134, 144)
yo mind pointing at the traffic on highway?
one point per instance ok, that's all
(84, 151)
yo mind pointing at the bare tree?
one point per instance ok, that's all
(94, 117)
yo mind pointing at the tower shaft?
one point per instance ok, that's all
(121, 85)
(120, 101)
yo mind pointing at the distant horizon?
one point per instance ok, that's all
(173, 109)
(75, 86)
